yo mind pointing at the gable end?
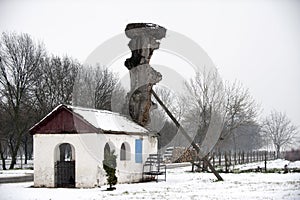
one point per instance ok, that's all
(63, 120)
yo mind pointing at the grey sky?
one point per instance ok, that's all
(255, 42)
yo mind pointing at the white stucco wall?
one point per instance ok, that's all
(89, 154)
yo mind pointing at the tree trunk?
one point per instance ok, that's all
(3, 162)
(277, 151)
(25, 149)
(14, 156)
(15, 152)
(226, 163)
(2, 157)
(234, 140)
(13, 161)
(26, 153)
(204, 165)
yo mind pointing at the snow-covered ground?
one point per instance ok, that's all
(272, 164)
(180, 184)
(20, 164)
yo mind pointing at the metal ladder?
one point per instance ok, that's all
(153, 168)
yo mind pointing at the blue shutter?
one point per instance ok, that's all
(138, 151)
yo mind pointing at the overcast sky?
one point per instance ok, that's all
(255, 42)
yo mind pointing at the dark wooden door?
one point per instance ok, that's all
(65, 174)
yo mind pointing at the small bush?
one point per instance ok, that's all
(109, 165)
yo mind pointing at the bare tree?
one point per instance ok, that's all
(118, 99)
(241, 110)
(174, 102)
(96, 87)
(20, 58)
(160, 120)
(279, 129)
(206, 96)
(56, 79)
(84, 88)
(106, 84)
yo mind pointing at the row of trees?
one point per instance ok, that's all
(32, 83)
(242, 128)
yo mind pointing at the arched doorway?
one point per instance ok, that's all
(65, 166)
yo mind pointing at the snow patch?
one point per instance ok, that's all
(180, 184)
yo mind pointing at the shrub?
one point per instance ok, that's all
(109, 165)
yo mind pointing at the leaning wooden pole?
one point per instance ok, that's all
(186, 135)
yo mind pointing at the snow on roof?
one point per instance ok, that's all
(107, 120)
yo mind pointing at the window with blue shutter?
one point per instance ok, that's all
(138, 151)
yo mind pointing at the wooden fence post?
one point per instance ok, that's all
(266, 161)
(247, 158)
(213, 157)
(235, 160)
(193, 164)
(226, 162)
(220, 157)
(229, 156)
(243, 157)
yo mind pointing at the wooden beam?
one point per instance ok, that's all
(186, 135)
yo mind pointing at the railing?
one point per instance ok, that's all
(234, 158)
(228, 158)
(153, 168)
(219, 159)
